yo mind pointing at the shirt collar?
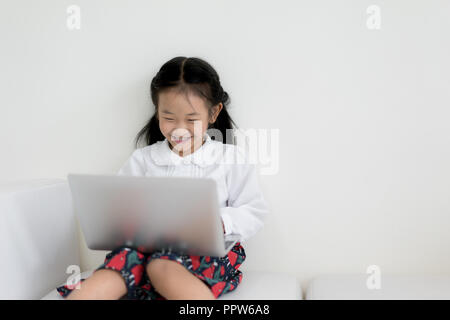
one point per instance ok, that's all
(206, 155)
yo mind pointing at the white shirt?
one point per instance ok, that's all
(242, 205)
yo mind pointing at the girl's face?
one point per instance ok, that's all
(184, 122)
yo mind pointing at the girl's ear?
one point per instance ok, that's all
(216, 111)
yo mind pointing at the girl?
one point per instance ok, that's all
(190, 105)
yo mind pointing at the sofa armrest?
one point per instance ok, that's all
(38, 237)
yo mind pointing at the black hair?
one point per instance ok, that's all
(189, 75)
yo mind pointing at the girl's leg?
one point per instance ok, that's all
(174, 282)
(104, 284)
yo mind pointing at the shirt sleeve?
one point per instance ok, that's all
(134, 166)
(247, 208)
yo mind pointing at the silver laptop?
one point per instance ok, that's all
(150, 213)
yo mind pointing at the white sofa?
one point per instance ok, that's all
(39, 240)
(392, 287)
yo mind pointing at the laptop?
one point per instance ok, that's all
(150, 213)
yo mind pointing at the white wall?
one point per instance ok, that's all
(363, 114)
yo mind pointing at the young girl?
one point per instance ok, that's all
(190, 108)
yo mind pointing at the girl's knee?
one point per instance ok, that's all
(156, 266)
(159, 268)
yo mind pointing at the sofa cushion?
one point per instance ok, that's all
(263, 285)
(255, 285)
(54, 294)
(392, 287)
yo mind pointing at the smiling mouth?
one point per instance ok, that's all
(180, 140)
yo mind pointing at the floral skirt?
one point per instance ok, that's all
(220, 274)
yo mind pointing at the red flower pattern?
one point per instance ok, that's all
(232, 256)
(118, 261)
(137, 271)
(208, 272)
(217, 288)
(195, 262)
(220, 280)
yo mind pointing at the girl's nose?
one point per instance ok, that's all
(180, 132)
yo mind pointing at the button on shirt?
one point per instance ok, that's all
(241, 202)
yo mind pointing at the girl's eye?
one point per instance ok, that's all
(190, 120)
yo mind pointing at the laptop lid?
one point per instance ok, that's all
(150, 213)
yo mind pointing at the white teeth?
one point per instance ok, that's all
(178, 139)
